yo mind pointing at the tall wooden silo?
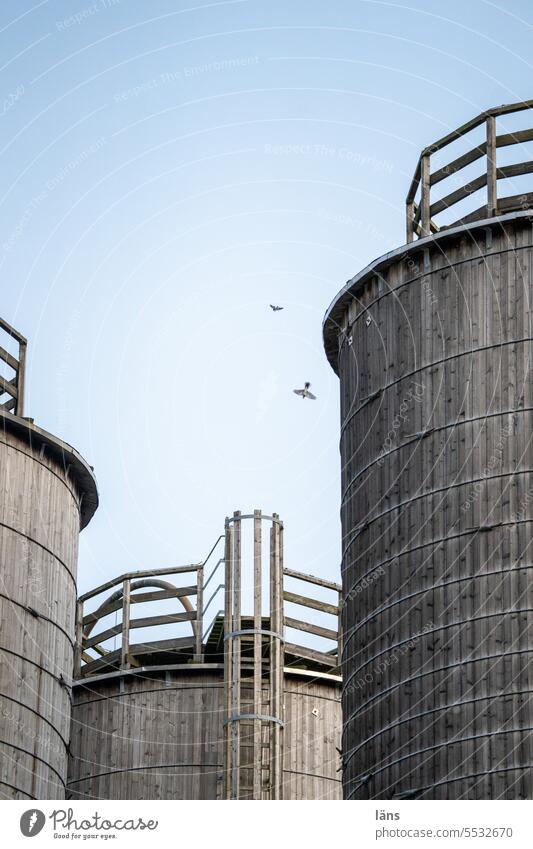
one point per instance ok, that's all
(432, 345)
(47, 494)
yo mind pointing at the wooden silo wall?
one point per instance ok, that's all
(437, 514)
(154, 737)
(313, 726)
(147, 737)
(39, 527)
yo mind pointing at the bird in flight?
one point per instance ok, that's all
(305, 392)
(274, 308)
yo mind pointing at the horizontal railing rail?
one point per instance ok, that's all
(144, 573)
(421, 211)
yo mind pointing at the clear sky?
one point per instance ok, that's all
(170, 168)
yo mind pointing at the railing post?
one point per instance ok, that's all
(199, 613)
(21, 379)
(492, 174)
(78, 646)
(125, 649)
(409, 220)
(340, 605)
(425, 202)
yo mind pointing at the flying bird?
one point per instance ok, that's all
(305, 392)
(274, 308)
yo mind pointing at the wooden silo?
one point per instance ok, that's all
(47, 494)
(432, 345)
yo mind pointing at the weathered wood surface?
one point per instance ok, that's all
(312, 579)
(313, 603)
(437, 513)
(160, 737)
(39, 527)
(312, 739)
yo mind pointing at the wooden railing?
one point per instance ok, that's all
(421, 211)
(317, 599)
(93, 656)
(12, 384)
(329, 613)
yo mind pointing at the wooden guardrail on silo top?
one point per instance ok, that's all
(94, 654)
(421, 211)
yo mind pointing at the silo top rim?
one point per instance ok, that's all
(334, 317)
(64, 454)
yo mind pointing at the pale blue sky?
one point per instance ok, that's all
(168, 170)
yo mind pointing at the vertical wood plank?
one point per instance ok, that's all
(125, 645)
(425, 202)
(199, 624)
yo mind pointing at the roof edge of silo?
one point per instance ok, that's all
(333, 318)
(64, 454)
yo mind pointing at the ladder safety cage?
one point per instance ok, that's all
(253, 664)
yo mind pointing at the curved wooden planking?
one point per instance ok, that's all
(155, 735)
(42, 484)
(432, 345)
